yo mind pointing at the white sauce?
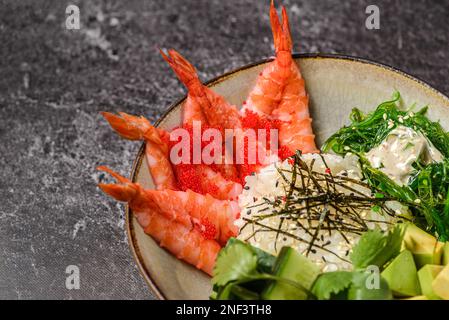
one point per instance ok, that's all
(401, 148)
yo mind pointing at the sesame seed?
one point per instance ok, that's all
(390, 124)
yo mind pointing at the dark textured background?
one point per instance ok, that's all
(53, 83)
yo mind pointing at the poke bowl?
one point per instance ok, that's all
(362, 200)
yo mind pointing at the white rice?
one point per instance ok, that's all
(268, 183)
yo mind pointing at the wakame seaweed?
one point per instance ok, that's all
(427, 193)
(369, 130)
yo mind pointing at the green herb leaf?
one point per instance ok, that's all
(379, 195)
(377, 248)
(234, 262)
(331, 283)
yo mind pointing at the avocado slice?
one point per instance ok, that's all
(359, 290)
(291, 265)
(445, 259)
(425, 247)
(402, 276)
(426, 275)
(440, 284)
(417, 298)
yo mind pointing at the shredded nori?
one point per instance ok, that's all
(316, 201)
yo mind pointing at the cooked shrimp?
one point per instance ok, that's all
(157, 153)
(267, 93)
(184, 241)
(295, 126)
(156, 150)
(280, 92)
(217, 111)
(217, 186)
(214, 107)
(193, 106)
(213, 218)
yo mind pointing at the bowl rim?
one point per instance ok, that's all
(139, 157)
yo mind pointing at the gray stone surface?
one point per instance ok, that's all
(53, 83)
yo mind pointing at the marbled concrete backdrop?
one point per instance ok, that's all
(54, 81)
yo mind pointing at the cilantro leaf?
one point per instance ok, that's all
(330, 283)
(377, 248)
(235, 262)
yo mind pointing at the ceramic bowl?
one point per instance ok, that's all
(336, 84)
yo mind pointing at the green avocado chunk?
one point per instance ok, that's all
(440, 285)
(402, 276)
(359, 290)
(425, 247)
(291, 265)
(417, 298)
(426, 276)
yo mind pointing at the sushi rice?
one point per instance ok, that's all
(269, 184)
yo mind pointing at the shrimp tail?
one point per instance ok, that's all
(281, 31)
(174, 232)
(156, 150)
(133, 128)
(125, 190)
(184, 70)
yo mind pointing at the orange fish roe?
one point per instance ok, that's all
(247, 168)
(250, 119)
(191, 176)
(207, 229)
(186, 174)
(254, 121)
(284, 153)
(187, 177)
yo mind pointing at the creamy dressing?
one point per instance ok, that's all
(401, 148)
